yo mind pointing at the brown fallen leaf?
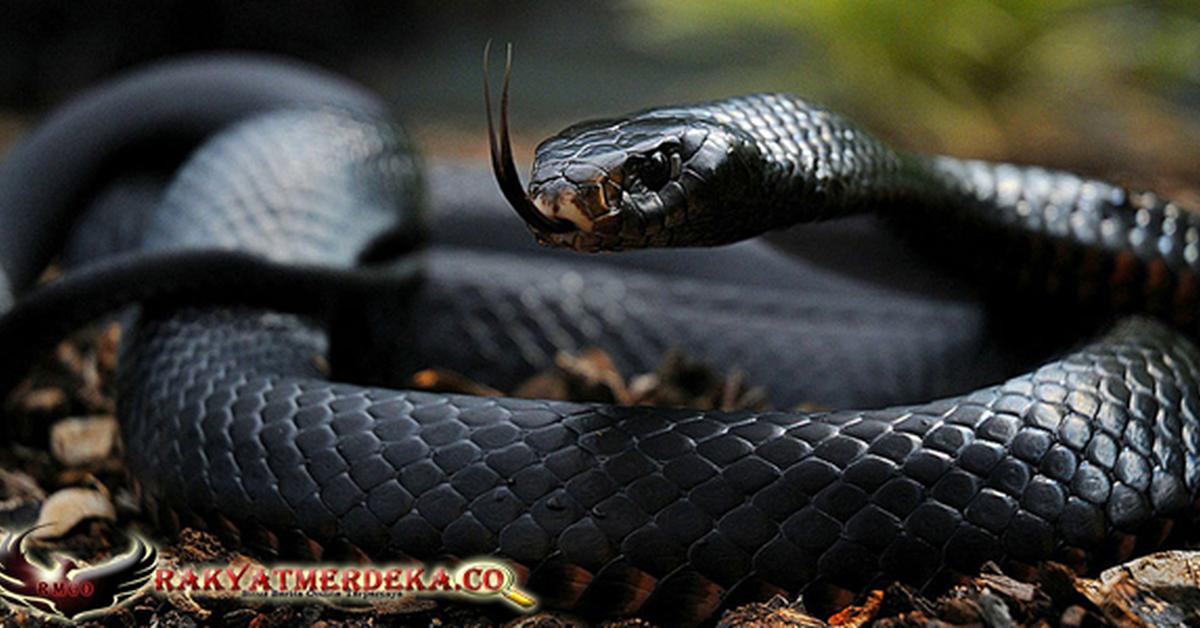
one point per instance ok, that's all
(592, 376)
(776, 613)
(197, 546)
(860, 615)
(44, 400)
(447, 381)
(588, 376)
(543, 386)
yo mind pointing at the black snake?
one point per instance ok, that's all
(306, 202)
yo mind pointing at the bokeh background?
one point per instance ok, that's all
(1102, 87)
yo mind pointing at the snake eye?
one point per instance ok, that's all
(656, 170)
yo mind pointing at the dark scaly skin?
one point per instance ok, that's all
(232, 425)
(675, 513)
(746, 165)
(769, 161)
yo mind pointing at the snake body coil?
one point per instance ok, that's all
(232, 423)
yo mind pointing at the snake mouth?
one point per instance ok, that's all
(564, 206)
(586, 206)
(502, 160)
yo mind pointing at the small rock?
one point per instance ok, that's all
(83, 441)
(994, 611)
(1073, 616)
(65, 509)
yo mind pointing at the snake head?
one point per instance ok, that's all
(655, 178)
(632, 183)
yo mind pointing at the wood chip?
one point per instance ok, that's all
(69, 507)
(47, 400)
(1156, 590)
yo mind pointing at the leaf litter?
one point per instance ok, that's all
(72, 473)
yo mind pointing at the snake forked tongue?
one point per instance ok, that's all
(502, 160)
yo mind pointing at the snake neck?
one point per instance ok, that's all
(1086, 241)
(807, 163)
(790, 161)
(1042, 231)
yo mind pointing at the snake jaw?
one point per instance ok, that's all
(597, 210)
(582, 205)
(564, 206)
(503, 166)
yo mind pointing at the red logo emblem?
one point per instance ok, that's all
(69, 589)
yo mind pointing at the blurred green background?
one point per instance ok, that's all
(1106, 88)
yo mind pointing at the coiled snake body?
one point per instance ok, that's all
(296, 204)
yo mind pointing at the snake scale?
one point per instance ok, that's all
(275, 243)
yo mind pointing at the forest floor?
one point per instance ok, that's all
(72, 475)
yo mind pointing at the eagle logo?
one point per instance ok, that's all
(69, 589)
